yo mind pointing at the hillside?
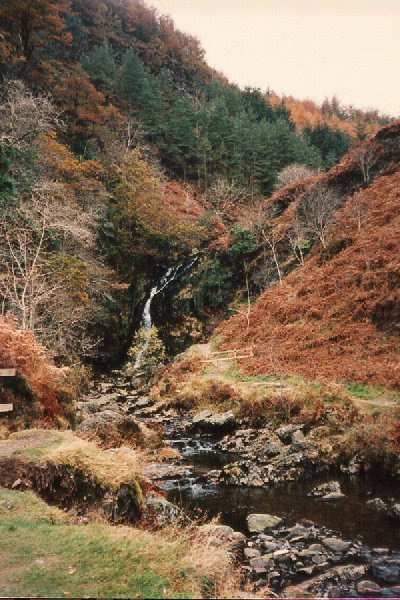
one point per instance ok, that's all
(336, 316)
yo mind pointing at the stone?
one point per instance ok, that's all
(281, 552)
(333, 496)
(251, 553)
(394, 511)
(7, 504)
(144, 403)
(260, 522)
(269, 546)
(367, 587)
(259, 563)
(207, 421)
(158, 511)
(306, 570)
(330, 487)
(335, 544)
(386, 570)
(285, 432)
(377, 504)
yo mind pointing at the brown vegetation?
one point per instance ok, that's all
(335, 318)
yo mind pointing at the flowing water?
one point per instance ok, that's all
(351, 517)
(146, 322)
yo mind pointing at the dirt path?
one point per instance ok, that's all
(23, 440)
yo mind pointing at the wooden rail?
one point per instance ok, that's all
(235, 355)
(8, 372)
(4, 408)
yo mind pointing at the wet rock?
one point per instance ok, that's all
(333, 496)
(330, 487)
(377, 504)
(260, 522)
(394, 511)
(159, 471)
(367, 587)
(207, 421)
(386, 569)
(335, 544)
(317, 585)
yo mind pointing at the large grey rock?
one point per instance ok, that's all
(260, 522)
(208, 421)
(335, 544)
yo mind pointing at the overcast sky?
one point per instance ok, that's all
(305, 48)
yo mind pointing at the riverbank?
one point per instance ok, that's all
(197, 444)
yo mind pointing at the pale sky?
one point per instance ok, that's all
(305, 48)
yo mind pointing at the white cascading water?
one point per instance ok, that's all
(165, 280)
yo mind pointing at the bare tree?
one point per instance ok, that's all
(315, 210)
(226, 198)
(23, 115)
(297, 238)
(366, 157)
(292, 173)
(266, 232)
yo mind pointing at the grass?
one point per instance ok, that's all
(110, 467)
(43, 554)
(368, 392)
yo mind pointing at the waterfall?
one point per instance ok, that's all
(146, 322)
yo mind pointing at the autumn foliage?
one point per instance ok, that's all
(43, 394)
(337, 316)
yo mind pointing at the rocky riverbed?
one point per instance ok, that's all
(334, 533)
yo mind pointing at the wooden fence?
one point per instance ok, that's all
(237, 353)
(7, 373)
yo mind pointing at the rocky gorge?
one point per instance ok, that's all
(301, 517)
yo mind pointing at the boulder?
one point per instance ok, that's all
(377, 504)
(335, 544)
(285, 432)
(261, 522)
(213, 422)
(367, 587)
(330, 487)
(157, 511)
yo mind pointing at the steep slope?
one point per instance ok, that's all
(337, 317)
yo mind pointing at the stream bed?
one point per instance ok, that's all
(350, 517)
